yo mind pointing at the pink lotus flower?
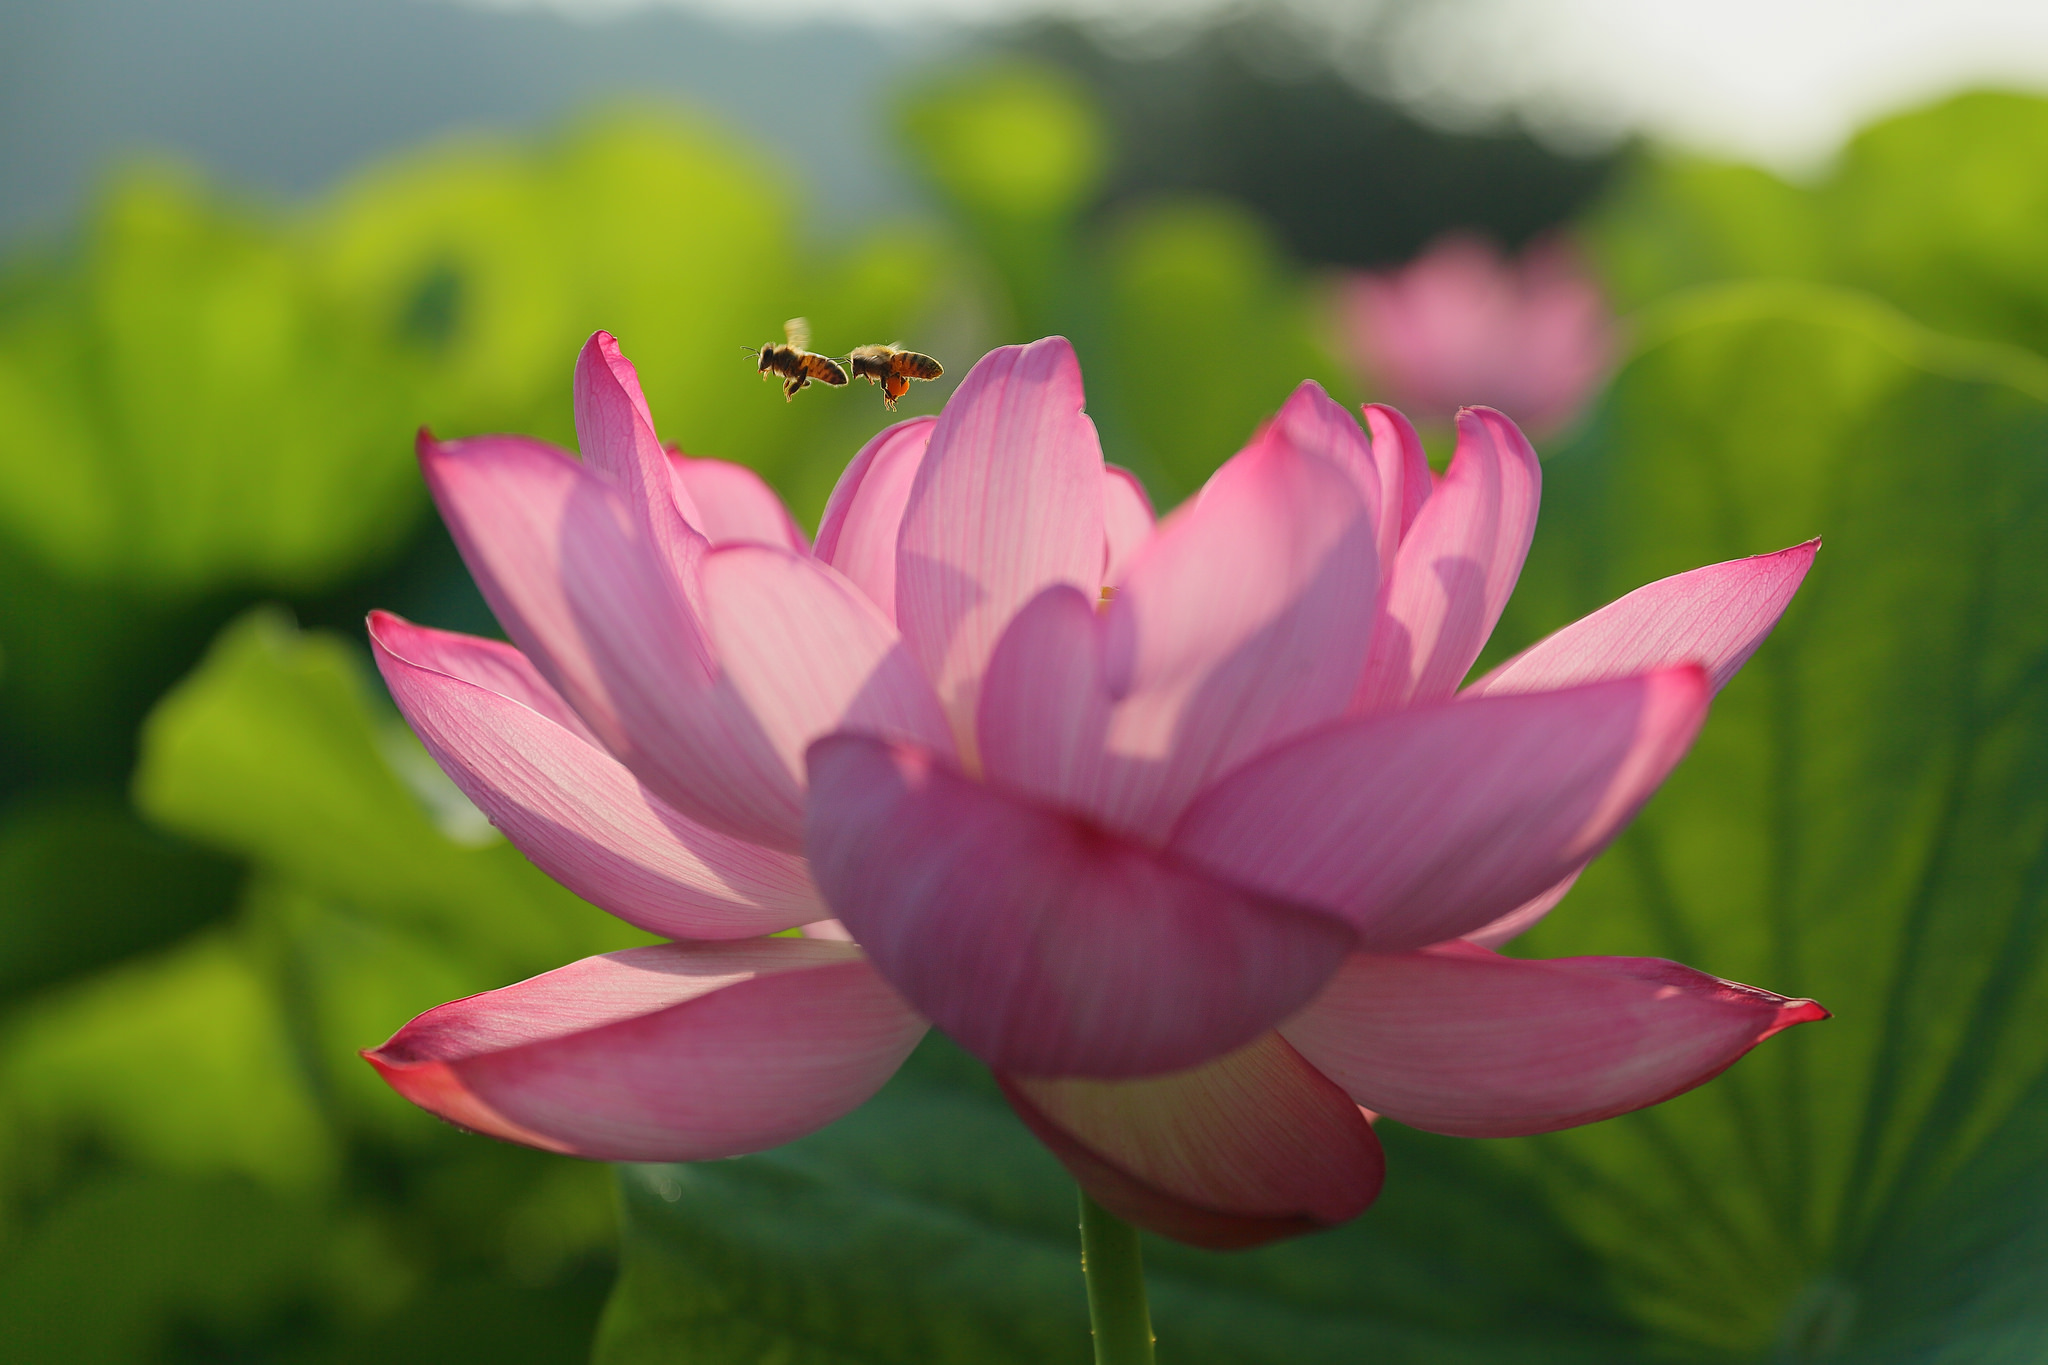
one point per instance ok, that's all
(1187, 830)
(1460, 324)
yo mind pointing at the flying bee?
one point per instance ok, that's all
(791, 361)
(893, 369)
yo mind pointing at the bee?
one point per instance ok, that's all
(892, 368)
(796, 366)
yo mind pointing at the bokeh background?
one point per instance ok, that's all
(247, 247)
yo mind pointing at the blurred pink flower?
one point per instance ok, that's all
(1186, 830)
(1460, 324)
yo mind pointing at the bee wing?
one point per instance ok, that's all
(824, 369)
(915, 365)
(797, 331)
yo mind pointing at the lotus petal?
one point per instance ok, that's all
(1252, 1146)
(1418, 826)
(573, 808)
(1460, 1040)
(678, 1052)
(1046, 946)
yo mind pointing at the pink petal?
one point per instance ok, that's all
(1418, 826)
(1312, 422)
(1046, 713)
(734, 503)
(1715, 617)
(857, 535)
(1524, 916)
(1457, 565)
(1126, 520)
(570, 806)
(1461, 1041)
(1245, 619)
(615, 433)
(576, 582)
(1404, 473)
(1008, 502)
(1250, 1147)
(490, 664)
(830, 929)
(679, 1052)
(805, 653)
(1044, 945)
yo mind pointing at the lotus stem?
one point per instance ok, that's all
(1114, 1267)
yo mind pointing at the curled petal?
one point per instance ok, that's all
(1404, 474)
(1418, 826)
(1245, 619)
(1126, 520)
(1250, 1147)
(490, 664)
(1459, 1040)
(807, 653)
(734, 504)
(678, 1052)
(857, 534)
(570, 806)
(1457, 565)
(1524, 916)
(578, 584)
(1008, 502)
(615, 434)
(1043, 944)
(1714, 617)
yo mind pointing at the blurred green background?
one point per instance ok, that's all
(225, 865)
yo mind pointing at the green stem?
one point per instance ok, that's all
(1115, 1270)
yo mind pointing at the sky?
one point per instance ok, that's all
(283, 97)
(1778, 81)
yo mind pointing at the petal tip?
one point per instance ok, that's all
(1794, 1012)
(1480, 415)
(1309, 391)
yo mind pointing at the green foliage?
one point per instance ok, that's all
(103, 885)
(1016, 151)
(1009, 140)
(1940, 211)
(223, 1067)
(1862, 821)
(186, 407)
